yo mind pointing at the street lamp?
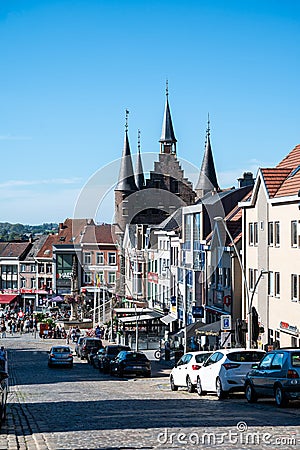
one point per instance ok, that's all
(249, 302)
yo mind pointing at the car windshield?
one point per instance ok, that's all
(296, 359)
(61, 350)
(136, 357)
(245, 356)
(201, 358)
(114, 350)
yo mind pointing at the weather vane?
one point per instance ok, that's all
(126, 119)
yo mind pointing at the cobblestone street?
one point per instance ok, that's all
(82, 409)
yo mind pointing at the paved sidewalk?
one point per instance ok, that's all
(21, 431)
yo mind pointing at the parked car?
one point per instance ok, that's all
(60, 355)
(87, 344)
(225, 371)
(185, 372)
(103, 359)
(277, 375)
(129, 363)
(91, 355)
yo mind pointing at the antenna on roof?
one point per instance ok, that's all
(167, 87)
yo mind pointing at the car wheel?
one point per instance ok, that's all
(199, 387)
(148, 375)
(173, 385)
(189, 384)
(250, 394)
(219, 389)
(280, 397)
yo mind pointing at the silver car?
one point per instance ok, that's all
(60, 355)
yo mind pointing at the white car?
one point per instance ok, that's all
(225, 371)
(184, 374)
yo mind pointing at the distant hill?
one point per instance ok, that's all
(18, 231)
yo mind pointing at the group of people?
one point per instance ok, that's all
(17, 324)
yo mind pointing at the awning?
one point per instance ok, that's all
(168, 319)
(149, 316)
(210, 329)
(57, 299)
(7, 298)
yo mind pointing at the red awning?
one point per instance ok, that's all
(7, 298)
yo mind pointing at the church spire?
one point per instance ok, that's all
(126, 181)
(167, 140)
(139, 173)
(207, 181)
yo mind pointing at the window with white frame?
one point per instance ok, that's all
(294, 237)
(294, 287)
(32, 283)
(23, 267)
(255, 233)
(99, 276)
(277, 234)
(271, 283)
(100, 258)
(251, 279)
(23, 282)
(87, 258)
(277, 284)
(87, 279)
(251, 233)
(112, 258)
(111, 277)
(270, 233)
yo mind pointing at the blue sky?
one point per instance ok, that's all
(69, 69)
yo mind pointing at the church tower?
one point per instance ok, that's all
(207, 181)
(125, 187)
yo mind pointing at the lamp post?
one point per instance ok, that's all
(249, 339)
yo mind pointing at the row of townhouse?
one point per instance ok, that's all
(34, 272)
(229, 252)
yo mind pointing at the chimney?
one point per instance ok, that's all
(247, 180)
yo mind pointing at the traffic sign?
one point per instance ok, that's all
(225, 322)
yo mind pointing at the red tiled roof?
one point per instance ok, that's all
(70, 232)
(98, 234)
(292, 160)
(274, 178)
(15, 249)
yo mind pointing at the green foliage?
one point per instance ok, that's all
(18, 231)
(40, 317)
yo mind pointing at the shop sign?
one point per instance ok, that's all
(287, 327)
(198, 312)
(152, 277)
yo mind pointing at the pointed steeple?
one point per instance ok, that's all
(126, 181)
(139, 173)
(207, 181)
(167, 140)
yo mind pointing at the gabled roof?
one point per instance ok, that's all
(274, 178)
(15, 249)
(98, 234)
(36, 246)
(69, 233)
(292, 160)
